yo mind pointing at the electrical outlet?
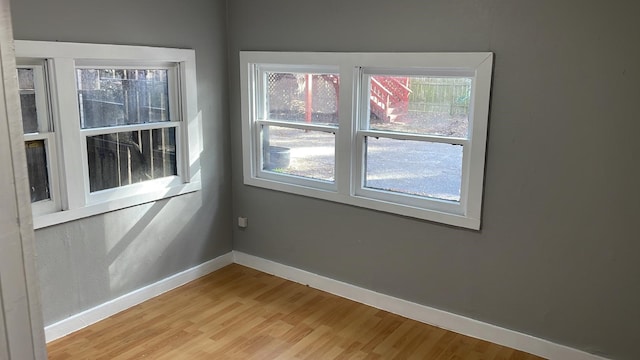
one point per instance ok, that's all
(243, 222)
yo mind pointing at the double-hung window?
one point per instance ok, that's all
(127, 128)
(39, 138)
(297, 104)
(397, 132)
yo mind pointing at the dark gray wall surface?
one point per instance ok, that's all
(88, 262)
(557, 256)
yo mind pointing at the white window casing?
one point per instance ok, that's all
(352, 128)
(69, 162)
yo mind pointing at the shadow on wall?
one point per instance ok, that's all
(149, 232)
(88, 262)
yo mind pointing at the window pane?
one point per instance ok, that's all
(28, 100)
(302, 97)
(414, 167)
(112, 97)
(37, 169)
(305, 153)
(130, 157)
(420, 104)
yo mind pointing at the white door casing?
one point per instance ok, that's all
(21, 326)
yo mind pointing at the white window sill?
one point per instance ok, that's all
(60, 217)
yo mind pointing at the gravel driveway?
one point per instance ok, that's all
(411, 167)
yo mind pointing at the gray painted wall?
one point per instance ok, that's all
(557, 256)
(88, 262)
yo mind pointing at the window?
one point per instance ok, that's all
(127, 130)
(401, 133)
(128, 125)
(297, 114)
(39, 139)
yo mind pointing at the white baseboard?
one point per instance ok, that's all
(446, 320)
(103, 311)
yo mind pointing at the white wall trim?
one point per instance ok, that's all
(103, 311)
(446, 320)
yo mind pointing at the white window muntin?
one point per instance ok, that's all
(133, 127)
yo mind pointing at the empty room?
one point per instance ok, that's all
(279, 179)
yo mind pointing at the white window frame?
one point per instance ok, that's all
(46, 133)
(353, 109)
(62, 59)
(174, 122)
(261, 119)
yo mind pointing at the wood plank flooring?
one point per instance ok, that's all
(241, 313)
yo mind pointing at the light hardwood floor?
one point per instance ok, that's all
(241, 313)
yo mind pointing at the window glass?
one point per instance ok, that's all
(130, 157)
(28, 100)
(113, 97)
(302, 97)
(305, 153)
(419, 168)
(420, 104)
(37, 169)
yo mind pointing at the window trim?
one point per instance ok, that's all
(349, 135)
(62, 59)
